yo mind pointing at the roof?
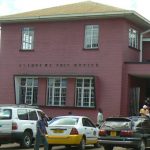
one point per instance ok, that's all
(81, 10)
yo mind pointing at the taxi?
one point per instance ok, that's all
(72, 131)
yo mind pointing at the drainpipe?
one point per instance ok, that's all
(141, 44)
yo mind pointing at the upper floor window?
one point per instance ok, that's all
(27, 38)
(133, 38)
(57, 88)
(85, 93)
(91, 36)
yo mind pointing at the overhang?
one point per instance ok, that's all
(138, 69)
(129, 15)
(77, 11)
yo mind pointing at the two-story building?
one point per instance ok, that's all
(77, 57)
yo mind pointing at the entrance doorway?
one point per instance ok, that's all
(139, 94)
(134, 101)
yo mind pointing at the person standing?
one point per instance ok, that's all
(41, 132)
(144, 111)
(100, 118)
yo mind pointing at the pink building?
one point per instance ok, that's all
(77, 58)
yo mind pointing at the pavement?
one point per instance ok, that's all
(17, 147)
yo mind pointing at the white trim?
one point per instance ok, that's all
(141, 44)
(126, 14)
(146, 39)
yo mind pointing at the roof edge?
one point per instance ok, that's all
(15, 19)
(124, 14)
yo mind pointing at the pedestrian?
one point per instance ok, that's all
(100, 117)
(144, 111)
(41, 132)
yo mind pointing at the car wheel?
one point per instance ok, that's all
(97, 145)
(26, 140)
(49, 147)
(142, 146)
(108, 147)
(82, 144)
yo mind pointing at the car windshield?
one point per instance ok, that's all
(117, 124)
(5, 114)
(64, 121)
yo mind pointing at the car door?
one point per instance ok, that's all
(33, 117)
(90, 130)
(27, 119)
(5, 121)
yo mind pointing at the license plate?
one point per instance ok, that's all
(113, 133)
(58, 131)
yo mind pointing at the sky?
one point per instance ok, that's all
(8, 7)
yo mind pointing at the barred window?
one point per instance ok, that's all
(56, 95)
(133, 38)
(91, 36)
(85, 92)
(27, 38)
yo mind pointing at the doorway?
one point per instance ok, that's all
(139, 94)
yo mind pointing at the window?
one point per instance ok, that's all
(91, 36)
(22, 114)
(64, 121)
(87, 123)
(5, 114)
(33, 115)
(85, 93)
(27, 38)
(28, 91)
(133, 38)
(56, 91)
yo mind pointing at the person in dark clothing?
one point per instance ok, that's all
(41, 133)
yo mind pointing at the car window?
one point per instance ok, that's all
(5, 114)
(117, 125)
(22, 114)
(33, 115)
(86, 122)
(64, 121)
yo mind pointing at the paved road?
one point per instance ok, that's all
(16, 147)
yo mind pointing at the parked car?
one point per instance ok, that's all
(18, 124)
(128, 132)
(72, 131)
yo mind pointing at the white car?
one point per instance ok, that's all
(18, 124)
(72, 131)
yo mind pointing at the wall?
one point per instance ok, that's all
(59, 51)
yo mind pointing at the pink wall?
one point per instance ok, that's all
(58, 50)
